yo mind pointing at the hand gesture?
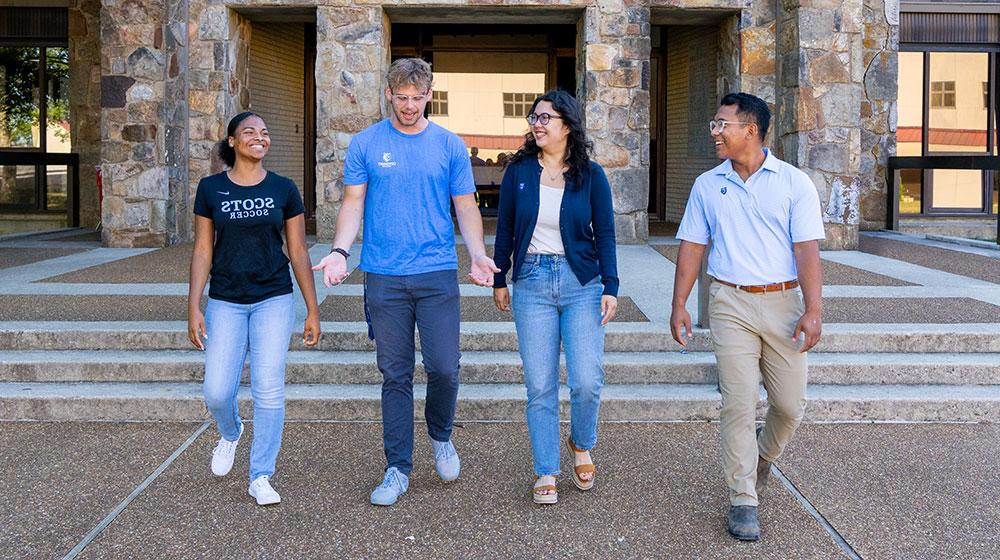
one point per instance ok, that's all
(811, 326)
(501, 298)
(609, 306)
(483, 269)
(196, 328)
(680, 325)
(311, 332)
(334, 267)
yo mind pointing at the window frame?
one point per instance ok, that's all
(988, 177)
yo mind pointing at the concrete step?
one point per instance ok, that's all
(172, 335)
(313, 366)
(503, 402)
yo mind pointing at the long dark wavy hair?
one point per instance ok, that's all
(578, 148)
(226, 152)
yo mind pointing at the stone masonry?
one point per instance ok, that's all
(174, 71)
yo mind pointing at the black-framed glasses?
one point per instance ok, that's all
(543, 118)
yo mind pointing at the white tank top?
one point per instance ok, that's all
(546, 239)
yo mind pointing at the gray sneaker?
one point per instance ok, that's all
(743, 524)
(446, 461)
(394, 485)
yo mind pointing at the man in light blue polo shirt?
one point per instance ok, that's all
(403, 173)
(762, 216)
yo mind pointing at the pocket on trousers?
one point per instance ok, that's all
(528, 269)
(368, 314)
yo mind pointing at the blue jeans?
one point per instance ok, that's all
(551, 306)
(264, 329)
(394, 305)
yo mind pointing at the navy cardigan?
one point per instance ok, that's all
(586, 224)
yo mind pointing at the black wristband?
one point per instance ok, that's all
(341, 251)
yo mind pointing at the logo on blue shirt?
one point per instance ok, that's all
(386, 160)
(723, 191)
(520, 186)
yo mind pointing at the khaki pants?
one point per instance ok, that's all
(752, 335)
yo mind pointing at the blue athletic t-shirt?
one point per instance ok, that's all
(411, 179)
(248, 264)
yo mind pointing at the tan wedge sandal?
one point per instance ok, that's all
(544, 499)
(580, 469)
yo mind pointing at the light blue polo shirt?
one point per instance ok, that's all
(411, 180)
(752, 225)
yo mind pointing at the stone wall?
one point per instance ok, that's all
(217, 84)
(352, 56)
(880, 38)
(133, 88)
(614, 47)
(820, 91)
(85, 100)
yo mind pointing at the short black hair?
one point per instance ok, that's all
(752, 106)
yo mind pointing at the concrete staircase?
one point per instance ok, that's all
(148, 371)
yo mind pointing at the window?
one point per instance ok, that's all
(943, 95)
(517, 105)
(439, 103)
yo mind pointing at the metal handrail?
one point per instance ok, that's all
(36, 158)
(896, 163)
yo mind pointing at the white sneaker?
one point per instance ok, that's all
(446, 460)
(262, 491)
(223, 454)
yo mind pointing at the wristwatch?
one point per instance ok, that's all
(341, 251)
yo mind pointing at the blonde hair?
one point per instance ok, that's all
(410, 71)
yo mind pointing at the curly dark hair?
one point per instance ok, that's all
(578, 147)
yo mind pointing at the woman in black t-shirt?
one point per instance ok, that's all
(240, 214)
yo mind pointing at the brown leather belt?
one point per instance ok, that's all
(777, 287)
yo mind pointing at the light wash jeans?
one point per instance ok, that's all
(551, 306)
(264, 329)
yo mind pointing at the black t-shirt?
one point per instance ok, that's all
(248, 264)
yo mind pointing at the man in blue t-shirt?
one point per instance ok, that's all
(402, 174)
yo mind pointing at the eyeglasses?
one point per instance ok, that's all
(543, 118)
(720, 125)
(403, 99)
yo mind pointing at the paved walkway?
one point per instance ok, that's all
(874, 490)
(883, 490)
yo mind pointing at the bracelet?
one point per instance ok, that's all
(341, 251)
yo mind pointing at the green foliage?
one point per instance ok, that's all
(19, 91)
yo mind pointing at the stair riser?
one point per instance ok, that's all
(476, 373)
(192, 409)
(502, 342)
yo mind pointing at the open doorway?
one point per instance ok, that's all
(683, 93)
(486, 78)
(282, 86)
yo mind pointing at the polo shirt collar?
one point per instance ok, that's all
(770, 164)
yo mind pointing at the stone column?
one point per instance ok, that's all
(878, 107)
(140, 145)
(217, 85)
(352, 56)
(757, 42)
(85, 100)
(820, 91)
(614, 46)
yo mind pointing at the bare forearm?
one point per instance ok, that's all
(688, 266)
(470, 223)
(302, 268)
(810, 271)
(201, 264)
(348, 223)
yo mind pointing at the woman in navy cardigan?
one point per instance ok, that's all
(556, 221)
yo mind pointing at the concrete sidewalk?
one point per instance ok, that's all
(887, 490)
